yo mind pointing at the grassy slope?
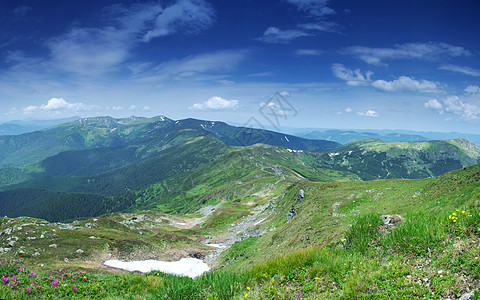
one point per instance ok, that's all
(426, 255)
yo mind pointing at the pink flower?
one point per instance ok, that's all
(73, 281)
(74, 287)
(79, 272)
(28, 290)
(38, 287)
(84, 278)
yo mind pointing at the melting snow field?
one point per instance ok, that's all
(191, 267)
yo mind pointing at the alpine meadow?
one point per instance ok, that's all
(209, 149)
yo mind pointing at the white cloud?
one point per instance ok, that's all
(274, 35)
(58, 105)
(216, 103)
(434, 104)
(368, 113)
(314, 7)
(99, 50)
(147, 108)
(348, 110)
(117, 108)
(320, 26)
(459, 69)
(132, 107)
(472, 89)
(352, 77)
(307, 52)
(210, 62)
(425, 51)
(404, 83)
(456, 105)
(185, 15)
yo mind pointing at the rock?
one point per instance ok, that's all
(36, 254)
(53, 246)
(90, 225)
(468, 296)
(79, 251)
(7, 231)
(21, 251)
(66, 226)
(291, 213)
(66, 260)
(301, 195)
(11, 243)
(42, 236)
(92, 237)
(392, 219)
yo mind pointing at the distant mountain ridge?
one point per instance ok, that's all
(100, 132)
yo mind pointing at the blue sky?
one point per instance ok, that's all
(292, 63)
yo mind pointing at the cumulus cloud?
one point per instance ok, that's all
(307, 52)
(58, 105)
(313, 7)
(434, 104)
(404, 83)
(462, 106)
(368, 113)
(459, 69)
(425, 51)
(216, 103)
(352, 77)
(274, 35)
(320, 26)
(472, 89)
(348, 110)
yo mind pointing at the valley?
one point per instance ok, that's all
(285, 218)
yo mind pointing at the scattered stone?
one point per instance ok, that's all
(36, 254)
(391, 220)
(3, 250)
(7, 231)
(92, 237)
(66, 260)
(79, 251)
(291, 213)
(90, 225)
(11, 243)
(65, 226)
(468, 296)
(42, 236)
(53, 246)
(21, 251)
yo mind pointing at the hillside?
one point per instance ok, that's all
(375, 159)
(336, 242)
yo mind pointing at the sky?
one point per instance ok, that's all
(282, 63)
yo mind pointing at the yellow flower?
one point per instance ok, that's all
(454, 221)
(370, 225)
(248, 288)
(316, 278)
(463, 211)
(454, 214)
(246, 295)
(457, 210)
(450, 216)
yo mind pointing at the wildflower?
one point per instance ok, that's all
(74, 287)
(248, 288)
(38, 287)
(316, 278)
(73, 281)
(246, 295)
(79, 272)
(463, 211)
(454, 213)
(84, 278)
(28, 289)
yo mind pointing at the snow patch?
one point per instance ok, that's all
(287, 139)
(189, 266)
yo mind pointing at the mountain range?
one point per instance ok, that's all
(159, 163)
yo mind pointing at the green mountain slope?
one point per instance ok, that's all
(376, 159)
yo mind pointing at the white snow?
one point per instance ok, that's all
(286, 139)
(189, 266)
